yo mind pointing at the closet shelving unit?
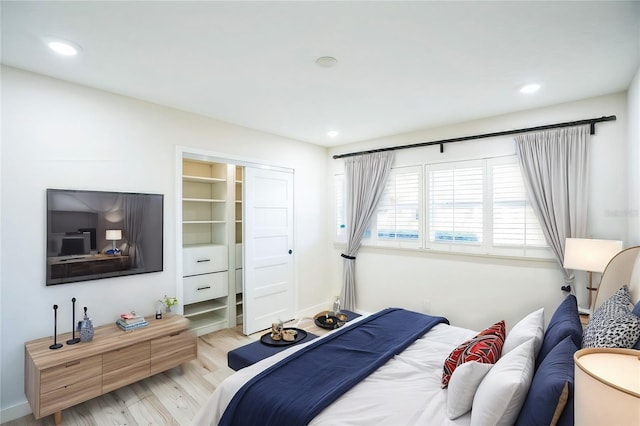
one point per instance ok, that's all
(211, 244)
(204, 243)
(238, 244)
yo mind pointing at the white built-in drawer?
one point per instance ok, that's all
(238, 281)
(204, 259)
(199, 288)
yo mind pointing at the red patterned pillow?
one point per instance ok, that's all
(486, 347)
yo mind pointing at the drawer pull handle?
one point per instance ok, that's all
(204, 288)
(71, 364)
(174, 334)
(203, 260)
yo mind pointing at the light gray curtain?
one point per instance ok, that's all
(554, 167)
(134, 206)
(365, 178)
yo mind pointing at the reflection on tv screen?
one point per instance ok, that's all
(96, 234)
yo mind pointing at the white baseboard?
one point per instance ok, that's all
(15, 412)
(309, 312)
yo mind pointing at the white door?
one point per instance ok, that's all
(268, 288)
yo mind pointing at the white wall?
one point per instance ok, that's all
(633, 209)
(60, 135)
(477, 291)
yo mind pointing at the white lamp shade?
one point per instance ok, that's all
(584, 254)
(607, 387)
(114, 234)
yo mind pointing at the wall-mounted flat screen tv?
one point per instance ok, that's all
(96, 234)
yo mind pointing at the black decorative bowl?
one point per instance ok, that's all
(329, 320)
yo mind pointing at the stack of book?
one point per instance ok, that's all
(131, 322)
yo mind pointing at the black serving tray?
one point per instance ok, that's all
(267, 340)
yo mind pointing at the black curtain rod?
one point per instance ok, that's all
(591, 121)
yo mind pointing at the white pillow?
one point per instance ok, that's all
(462, 387)
(503, 390)
(531, 326)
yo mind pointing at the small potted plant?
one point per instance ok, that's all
(169, 302)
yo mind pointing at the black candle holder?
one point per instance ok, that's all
(73, 339)
(55, 345)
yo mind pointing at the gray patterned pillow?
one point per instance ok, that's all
(613, 325)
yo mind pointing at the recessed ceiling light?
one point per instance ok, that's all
(63, 47)
(529, 88)
(326, 61)
(333, 133)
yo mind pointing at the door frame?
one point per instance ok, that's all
(183, 152)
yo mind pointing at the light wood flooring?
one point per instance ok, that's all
(169, 398)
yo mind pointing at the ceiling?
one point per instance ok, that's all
(401, 66)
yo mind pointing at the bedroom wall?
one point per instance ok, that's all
(60, 135)
(633, 209)
(475, 291)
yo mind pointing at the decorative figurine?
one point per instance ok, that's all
(86, 328)
(159, 306)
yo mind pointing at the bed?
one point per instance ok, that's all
(529, 382)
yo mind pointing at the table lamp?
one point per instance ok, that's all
(607, 387)
(585, 254)
(114, 235)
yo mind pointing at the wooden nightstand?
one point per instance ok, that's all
(584, 319)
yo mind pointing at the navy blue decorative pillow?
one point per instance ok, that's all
(564, 322)
(550, 397)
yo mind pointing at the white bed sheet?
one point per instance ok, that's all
(404, 391)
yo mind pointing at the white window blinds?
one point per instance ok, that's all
(514, 222)
(456, 203)
(398, 215)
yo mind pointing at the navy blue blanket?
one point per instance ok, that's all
(294, 390)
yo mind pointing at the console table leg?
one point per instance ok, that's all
(57, 418)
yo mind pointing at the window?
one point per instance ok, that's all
(514, 222)
(398, 215)
(456, 203)
(477, 206)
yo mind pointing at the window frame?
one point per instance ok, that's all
(400, 243)
(455, 246)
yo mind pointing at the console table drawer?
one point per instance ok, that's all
(204, 259)
(70, 373)
(124, 366)
(70, 395)
(205, 287)
(171, 351)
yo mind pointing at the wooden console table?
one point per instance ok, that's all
(61, 378)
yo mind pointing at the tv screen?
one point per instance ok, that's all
(96, 234)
